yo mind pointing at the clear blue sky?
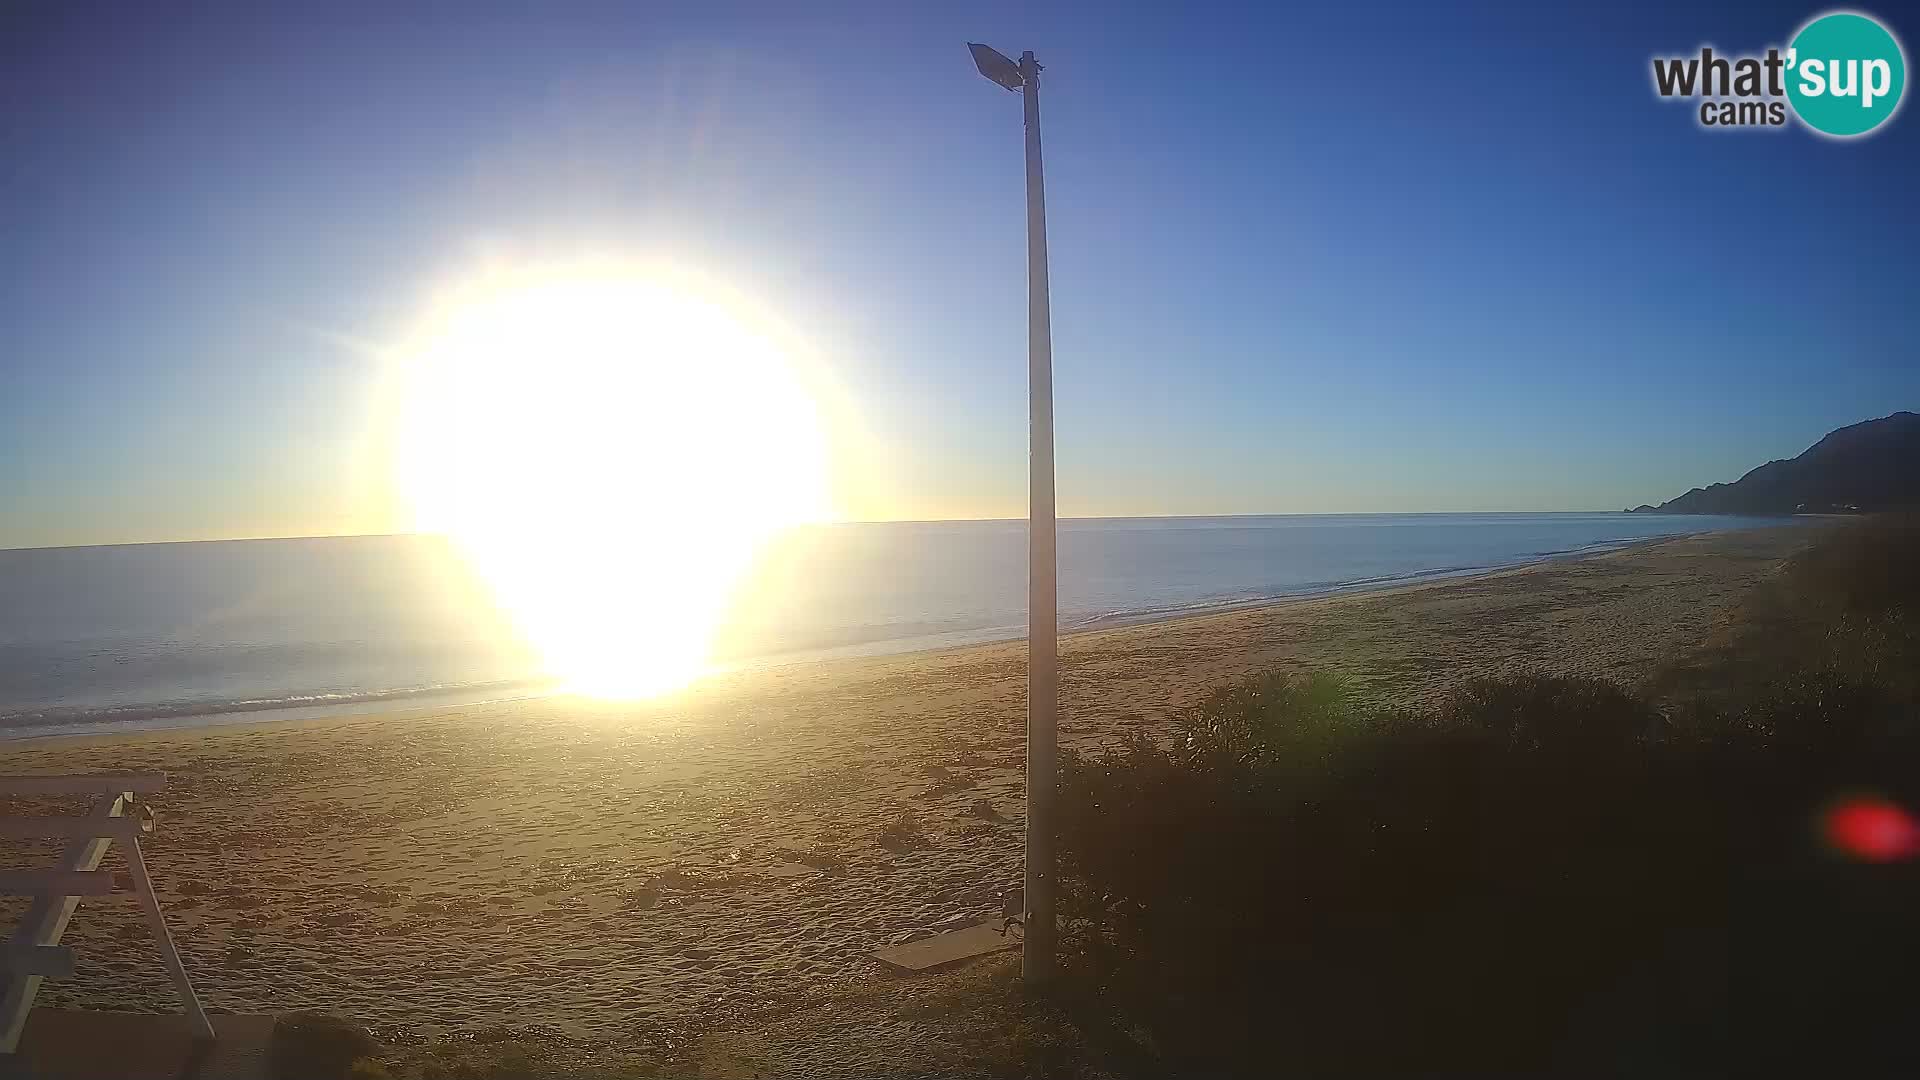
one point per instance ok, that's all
(1365, 257)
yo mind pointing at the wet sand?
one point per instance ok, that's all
(618, 870)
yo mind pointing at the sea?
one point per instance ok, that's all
(161, 635)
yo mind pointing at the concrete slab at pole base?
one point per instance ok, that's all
(64, 1044)
(952, 947)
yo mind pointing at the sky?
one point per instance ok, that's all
(1355, 258)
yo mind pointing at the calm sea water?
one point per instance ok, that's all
(138, 634)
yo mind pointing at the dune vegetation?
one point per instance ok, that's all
(1542, 873)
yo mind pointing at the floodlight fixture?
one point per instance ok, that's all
(997, 67)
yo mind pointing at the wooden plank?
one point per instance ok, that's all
(952, 947)
(140, 783)
(45, 920)
(46, 961)
(55, 882)
(26, 828)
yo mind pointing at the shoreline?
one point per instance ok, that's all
(620, 869)
(401, 703)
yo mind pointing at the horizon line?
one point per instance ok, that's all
(843, 521)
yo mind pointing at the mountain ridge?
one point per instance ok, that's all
(1870, 466)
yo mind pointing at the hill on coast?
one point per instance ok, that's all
(1866, 467)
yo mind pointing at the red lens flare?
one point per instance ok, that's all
(1873, 830)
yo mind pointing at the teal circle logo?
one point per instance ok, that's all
(1845, 74)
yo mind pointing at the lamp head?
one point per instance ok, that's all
(997, 67)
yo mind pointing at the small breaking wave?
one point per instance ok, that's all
(1133, 616)
(39, 721)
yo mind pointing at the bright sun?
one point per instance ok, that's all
(609, 448)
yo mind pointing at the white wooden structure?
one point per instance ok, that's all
(33, 952)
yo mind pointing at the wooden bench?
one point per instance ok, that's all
(33, 952)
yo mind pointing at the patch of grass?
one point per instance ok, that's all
(1847, 606)
(1866, 568)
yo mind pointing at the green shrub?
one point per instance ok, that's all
(1270, 721)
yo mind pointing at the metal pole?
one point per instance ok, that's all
(1037, 948)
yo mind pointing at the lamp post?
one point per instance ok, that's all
(1037, 946)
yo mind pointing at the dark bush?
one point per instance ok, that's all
(1538, 874)
(316, 1046)
(1537, 711)
(1827, 712)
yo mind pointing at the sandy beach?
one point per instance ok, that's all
(611, 870)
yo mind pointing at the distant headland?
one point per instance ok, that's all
(1864, 468)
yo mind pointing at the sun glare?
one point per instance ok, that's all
(609, 449)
